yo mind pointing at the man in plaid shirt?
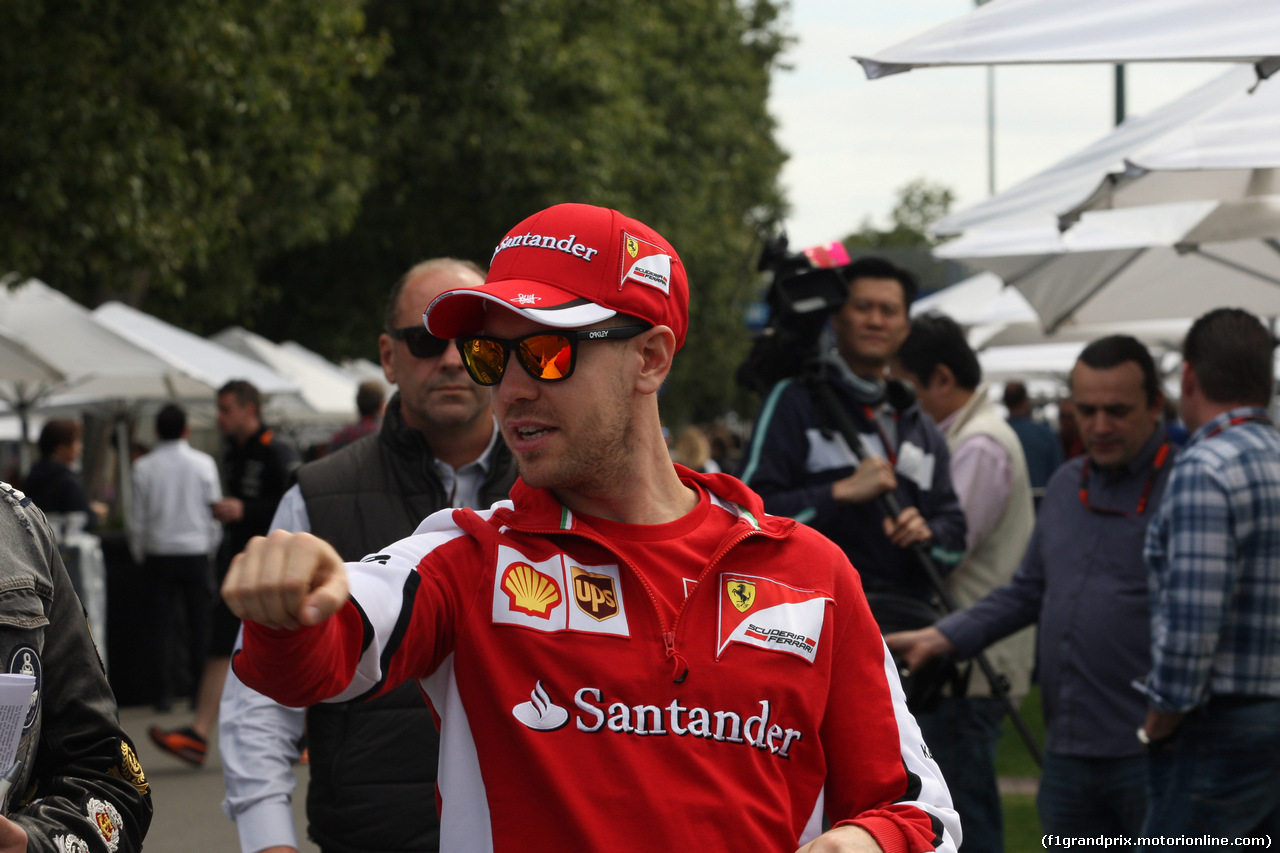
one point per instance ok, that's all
(1213, 551)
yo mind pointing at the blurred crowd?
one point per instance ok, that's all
(975, 514)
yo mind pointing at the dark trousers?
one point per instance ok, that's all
(183, 596)
(1219, 776)
(1081, 796)
(962, 734)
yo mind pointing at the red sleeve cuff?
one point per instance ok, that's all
(299, 667)
(886, 832)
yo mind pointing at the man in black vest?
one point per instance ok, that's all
(438, 447)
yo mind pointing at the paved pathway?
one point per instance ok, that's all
(188, 802)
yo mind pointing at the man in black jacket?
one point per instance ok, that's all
(438, 447)
(77, 783)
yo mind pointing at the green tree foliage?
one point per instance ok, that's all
(279, 163)
(157, 151)
(489, 111)
(907, 242)
(919, 204)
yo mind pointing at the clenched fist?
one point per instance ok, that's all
(286, 580)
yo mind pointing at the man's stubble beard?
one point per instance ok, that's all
(596, 463)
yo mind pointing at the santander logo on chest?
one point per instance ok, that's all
(768, 614)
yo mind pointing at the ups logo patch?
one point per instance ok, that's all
(594, 594)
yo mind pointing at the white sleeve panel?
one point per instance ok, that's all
(930, 789)
(378, 587)
(464, 803)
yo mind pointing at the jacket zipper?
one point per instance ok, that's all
(680, 666)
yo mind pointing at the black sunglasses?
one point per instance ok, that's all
(421, 343)
(546, 356)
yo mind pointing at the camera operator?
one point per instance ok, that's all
(803, 467)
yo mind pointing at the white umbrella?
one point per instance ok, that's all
(361, 369)
(1145, 263)
(101, 368)
(1073, 184)
(1230, 152)
(980, 300)
(1039, 361)
(1111, 31)
(998, 317)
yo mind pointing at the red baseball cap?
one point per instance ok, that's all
(569, 266)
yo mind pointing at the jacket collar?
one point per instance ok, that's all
(538, 509)
(403, 440)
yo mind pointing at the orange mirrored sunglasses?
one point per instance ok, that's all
(546, 356)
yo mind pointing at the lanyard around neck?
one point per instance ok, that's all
(1162, 455)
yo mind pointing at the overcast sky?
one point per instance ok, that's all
(854, 142)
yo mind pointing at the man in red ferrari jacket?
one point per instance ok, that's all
(627, 655)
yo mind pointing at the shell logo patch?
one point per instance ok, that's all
(534, 594)
(104, 816)
(645, 263)
(765, 613)
(530, 591)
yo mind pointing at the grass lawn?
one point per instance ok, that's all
(1013, 760)
(1021, 825)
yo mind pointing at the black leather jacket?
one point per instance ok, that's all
(81, 786)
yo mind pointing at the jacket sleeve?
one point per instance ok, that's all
(1004, 610)
(775, 465)
(85, 781)
(880, 775)
(258, 740)
(939, 505)
(397, 626)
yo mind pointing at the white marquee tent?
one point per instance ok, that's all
(1144, 263)
(1053, 31)
(327, 388)
(213, 364)
(1149, 142)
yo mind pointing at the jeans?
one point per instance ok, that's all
(1219, 775)
(1081, 796)
(962, 734)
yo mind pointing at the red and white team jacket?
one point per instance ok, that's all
(574, 715)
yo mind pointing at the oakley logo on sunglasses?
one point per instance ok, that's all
(546, 356)
(421, 343)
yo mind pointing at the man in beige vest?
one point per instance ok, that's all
(989, 473)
